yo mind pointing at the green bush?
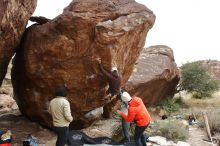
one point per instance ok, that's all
(170, 105)
(195, 78)
(178, 100)
(171, 129)
(115, 115)
(197, 95)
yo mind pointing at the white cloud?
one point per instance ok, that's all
(190, 27)
(50, 8)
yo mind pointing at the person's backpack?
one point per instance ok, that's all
(30, 141)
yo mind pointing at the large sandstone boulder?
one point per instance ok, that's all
(64, 51)
(14, 15)
(155, 75)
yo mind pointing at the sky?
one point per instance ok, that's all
(190, 27)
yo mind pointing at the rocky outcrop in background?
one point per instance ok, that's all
(64, 50)
(14, 15)
(155, 76)
(213, 67)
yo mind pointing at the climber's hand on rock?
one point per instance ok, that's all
(99, 60)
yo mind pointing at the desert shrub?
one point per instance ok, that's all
(197, 95)
(195, 78)
(115, 115)
(171, 129)
(214, 122)
(170, 105)
(179, 100)
(213, 118)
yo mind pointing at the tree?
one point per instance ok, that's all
(195, 79)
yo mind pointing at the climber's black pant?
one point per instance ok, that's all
(139, 138)
(62, 133)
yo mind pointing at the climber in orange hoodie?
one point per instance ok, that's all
(138, 113)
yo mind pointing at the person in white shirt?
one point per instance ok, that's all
(61, 114)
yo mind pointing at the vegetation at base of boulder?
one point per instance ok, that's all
(173, 130)
(115, 115)
(171, 105)
(195, 79)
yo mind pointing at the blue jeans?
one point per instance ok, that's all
(62, 133)
(139, 138)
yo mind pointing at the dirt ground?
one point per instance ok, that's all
(21, 127)
(197, 137)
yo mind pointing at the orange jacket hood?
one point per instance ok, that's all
(137, 112)
(135, 101)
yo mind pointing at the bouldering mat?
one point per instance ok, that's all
(78, 138)
(125, 144)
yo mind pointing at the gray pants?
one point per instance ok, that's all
(125, 125)
(139, 137)
(125, 129)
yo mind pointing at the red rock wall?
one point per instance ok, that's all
(64, 51)
(14, 15)
(155, 76)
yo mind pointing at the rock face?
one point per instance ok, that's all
(155, 75)
(14, 15)
(64, 51)
(7, 103)
(213, 67)
(8, 74)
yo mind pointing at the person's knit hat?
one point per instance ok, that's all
(125, 97)
(61, 91)
(114, 69)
